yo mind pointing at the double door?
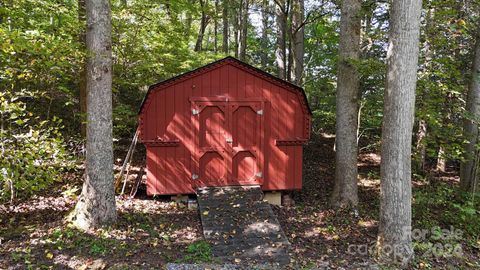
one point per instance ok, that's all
(228, 138)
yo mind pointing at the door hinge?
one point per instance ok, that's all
(259, 174)
(194, 177)
(229, 140)
(195, 111)
(260, 112)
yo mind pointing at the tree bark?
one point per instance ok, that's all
(243, 30)
(441, 165)
(289, 41)
(225, 26)
(298, 48)
(215, 28)
(82, 80)
(96, 204)
(236, 30)
(280, 52)
(264, 52)
(345, 189)
(420, 146)
(394, 244)
(469, 168)
(203, 26)
(441, 161)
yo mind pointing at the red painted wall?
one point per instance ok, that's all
(224, 124)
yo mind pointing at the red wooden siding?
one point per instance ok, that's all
(224, 124)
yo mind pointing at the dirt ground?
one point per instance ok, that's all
(154, 231)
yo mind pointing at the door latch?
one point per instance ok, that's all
(195, 112)
(260, 112)
(229, 140)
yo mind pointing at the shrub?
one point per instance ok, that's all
(32, 152)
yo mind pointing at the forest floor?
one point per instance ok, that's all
(151, 232)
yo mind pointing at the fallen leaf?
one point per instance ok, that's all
(49, 255)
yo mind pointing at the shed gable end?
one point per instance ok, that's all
(225, 77)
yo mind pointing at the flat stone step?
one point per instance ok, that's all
(240, 225)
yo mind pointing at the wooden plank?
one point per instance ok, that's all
(298, 166)
(251, 228)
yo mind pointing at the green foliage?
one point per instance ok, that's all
(150, 44)
(94, 245)
(124, 120)
(33, 153)
(39, 53)
(443, 205)
(321, 41)
(23, 255)
(198, 252)
(445, 56)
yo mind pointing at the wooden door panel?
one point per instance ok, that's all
(210, 129)
(244, 166)
(244, 127)
(245, 123)
(212, 168)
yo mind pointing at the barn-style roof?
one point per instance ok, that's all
(225, 61)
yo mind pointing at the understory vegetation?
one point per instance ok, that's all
(156, 231)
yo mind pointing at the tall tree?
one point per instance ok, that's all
(236, 26)
(264, 38)
(82, 80)
(205, 19)
(96, 205)
(298, 35)
(345, 189)
(243, 30)
(469, 168)
(215, 28)
(394, 237)
(225, 26)
(421, 134)
(280, 52)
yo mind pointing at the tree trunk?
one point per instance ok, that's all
(225, 26)
(394, 244)
(203, 25)
(236, 30)
(215, 28)
(468, 169)
(264, 52)
(420, 147)
(446, 120)
(441, 161)
(96, 204)
(345, 189)
(82, 80)
(280, 53)
(298, 34)
(289, 42)
(188, 19)
(243, 30)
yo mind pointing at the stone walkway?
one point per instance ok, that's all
(241, 226)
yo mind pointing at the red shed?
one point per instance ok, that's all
(226, 123)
